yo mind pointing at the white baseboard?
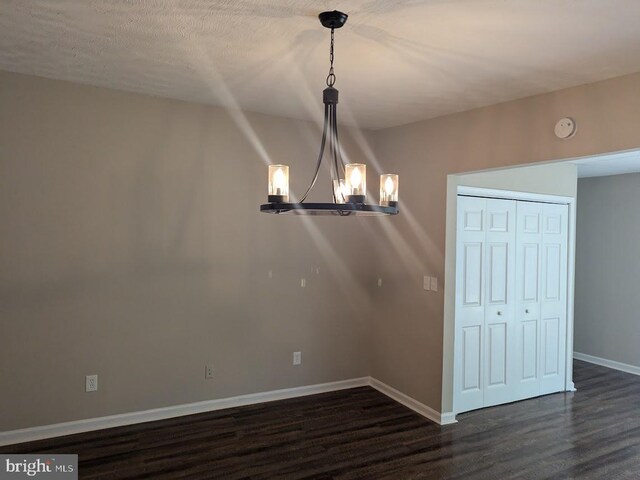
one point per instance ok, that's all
(447, 418)
(79, 426)
(623, 367)
(416, 406)
(87, 425)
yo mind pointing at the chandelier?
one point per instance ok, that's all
(348, 181)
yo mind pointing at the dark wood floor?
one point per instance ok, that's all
(359, 433)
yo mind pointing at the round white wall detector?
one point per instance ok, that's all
(566, 128)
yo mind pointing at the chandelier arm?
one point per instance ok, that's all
(335, 154)
(321, 154)
(335, 122)
(335, 145)
(331, 153)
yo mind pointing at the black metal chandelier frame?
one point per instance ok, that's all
(343, 204)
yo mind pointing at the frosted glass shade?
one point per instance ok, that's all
(340, 191)
(355, 182)
(388, 189)
(278, 183)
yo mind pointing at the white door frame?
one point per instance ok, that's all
(449, 340)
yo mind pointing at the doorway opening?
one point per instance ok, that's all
(553, 183)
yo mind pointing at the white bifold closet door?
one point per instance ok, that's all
(511, 288)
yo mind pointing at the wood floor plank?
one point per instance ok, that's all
(362, 434)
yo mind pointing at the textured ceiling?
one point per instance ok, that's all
(397, 61)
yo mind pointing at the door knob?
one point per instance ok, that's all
(499, 312)
(526, 311)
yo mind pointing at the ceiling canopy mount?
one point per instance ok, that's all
(334, 19)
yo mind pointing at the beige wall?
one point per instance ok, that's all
(132, 247)
(117, 259)
(408, 335)
(607, 323)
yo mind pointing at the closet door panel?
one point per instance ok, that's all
(499, 300)
(554, 298)
(469, 329)
(526, 371)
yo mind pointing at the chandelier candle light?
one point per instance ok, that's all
(348, 182)
(278, 183)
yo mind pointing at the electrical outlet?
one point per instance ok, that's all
(297, 358)
(91, 383)
(303, 282)
(208, 372)
(380, 282)
(434, 284)
(426, 282)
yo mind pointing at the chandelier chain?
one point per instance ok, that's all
(331, 78)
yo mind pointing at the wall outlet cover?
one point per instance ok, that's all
(208, 372)
(297, 358)
(91, 383)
